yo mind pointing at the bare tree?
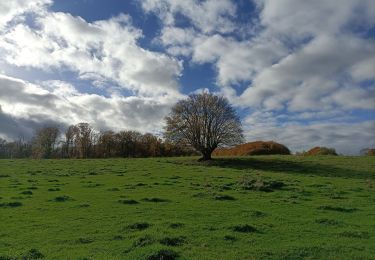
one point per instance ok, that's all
(3, 150)
(150, 145)
(128, 143)
(106, 144)
(44, 142)
(206, 122)
(68, 146)
(84, 139)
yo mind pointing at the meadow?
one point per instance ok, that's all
(259, 207)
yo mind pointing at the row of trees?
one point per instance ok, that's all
(83, 141)
(202, 121)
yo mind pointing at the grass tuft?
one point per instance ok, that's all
(172, 241)
(249, 183)
(62, 198)
(11, 204)
(258, 214)
(139, 226)
(155, 200)
(163, 254)
(143, 241)
(128, 202)
(85, 240)
(224, 197)
(338, 209)
(33, 254)
(27, 192)
(85, 205)
(245, 229)
(229, 238)
(176, 225)
(113, 189)
(118, 237)
(326, 221)
(54, 189)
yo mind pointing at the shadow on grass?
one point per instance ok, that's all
(310, 168)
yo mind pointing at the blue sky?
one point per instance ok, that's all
(298, 72)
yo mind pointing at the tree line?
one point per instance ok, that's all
(200, 123)
(83, 141)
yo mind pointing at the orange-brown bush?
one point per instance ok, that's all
(321, 151)
(253, 148)
(367, 151)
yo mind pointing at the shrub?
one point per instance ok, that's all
(253, 148)
(368, 151)
(321, 151)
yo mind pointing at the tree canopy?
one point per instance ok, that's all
(205, 121)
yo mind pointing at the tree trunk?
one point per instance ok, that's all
(206, 155)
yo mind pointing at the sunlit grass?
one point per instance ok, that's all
(230, 208)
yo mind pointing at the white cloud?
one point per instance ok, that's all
(299, 19)
(107, 48)
(207, 16)
(26, 106)
(308, 55)
(327, 61)
(11, 9)
(310, 78)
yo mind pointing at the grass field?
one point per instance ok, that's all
(270, 207)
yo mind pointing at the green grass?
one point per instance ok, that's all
(270, 207)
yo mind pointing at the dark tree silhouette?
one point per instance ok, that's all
(206, 122)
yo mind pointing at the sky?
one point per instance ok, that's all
(301, 73)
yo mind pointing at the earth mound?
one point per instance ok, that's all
(253, 148)
(321, 151)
